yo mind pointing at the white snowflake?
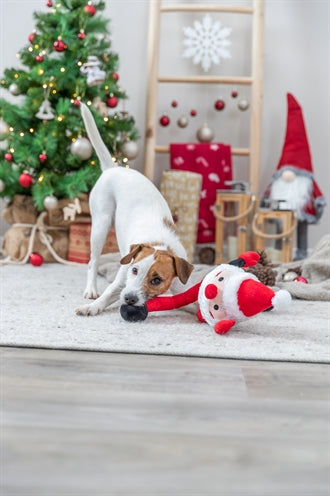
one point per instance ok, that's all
(207, 42)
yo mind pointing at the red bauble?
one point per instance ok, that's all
(36, 259)
(76, 102)
(42, 157)
(25, 180)
(219, 105)
(39, 58)
(90, 9)
(112, 101)
(193, 112)
(164, 120)
(234, 94)
(300, 279)
(30, 37)
(174, 103)
(115, 76)
(81, 35)
(49, 3)
(9, 157)
(59, 46)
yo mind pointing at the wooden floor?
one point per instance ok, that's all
(102, 424)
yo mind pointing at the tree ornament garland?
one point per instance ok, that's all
(82, 147)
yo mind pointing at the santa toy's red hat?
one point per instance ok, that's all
(296, 152)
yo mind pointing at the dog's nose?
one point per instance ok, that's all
(131, 299)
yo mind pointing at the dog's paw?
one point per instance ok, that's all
(88, 310)
(90, 294)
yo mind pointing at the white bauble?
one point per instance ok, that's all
(14, 89)
(205, 134)
(2, 185)
(130, 149)
(182, 121)
(4, 129)
(82, 147)
(243, 104)
(50, 202)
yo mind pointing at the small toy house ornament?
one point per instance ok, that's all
(92, 70)
(45, 112)
(233, 210)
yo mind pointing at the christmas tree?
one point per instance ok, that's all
(68, 59)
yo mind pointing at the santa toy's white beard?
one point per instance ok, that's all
(296, 193)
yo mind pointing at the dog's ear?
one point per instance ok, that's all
(183, 269)
(134, 250)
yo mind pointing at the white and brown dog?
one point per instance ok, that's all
(153, 258)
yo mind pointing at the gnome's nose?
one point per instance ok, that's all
(211, 291)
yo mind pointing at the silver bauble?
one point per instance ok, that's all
(82, 147)
(4, 129)
(50, 202)
(182, 121)
(205, 134)
(243, 104)
(14, 89)
(2, 186)
(289, 276)
(130, 149)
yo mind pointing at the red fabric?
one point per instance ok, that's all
(176, 301)
(250, 258)
(213, 162)
(223, 326)
(296, 150)
(254, 297)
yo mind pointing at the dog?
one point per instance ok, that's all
(153, 257)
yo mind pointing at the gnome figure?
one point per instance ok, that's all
(293, 182)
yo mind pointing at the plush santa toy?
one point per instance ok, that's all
(228, 294)
(293, 182)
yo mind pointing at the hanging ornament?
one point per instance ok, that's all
(4, 129)
(112, 101)
(36, 259)
(164, 120)
(205, 134)
(243, 104)
(219, 104)
(115, 76)
(45, 112)
(81, 35)
(82, 147)
(101, 106)
(174, 103)
(289, 276)
(59, 45)
(182, 121)
(39, 58)
(193, 112)
(92, 70)
(234, 94)
(9, 157)
(76, 102)
(14, 89)
(42, 158)
(25, 180)
(90, 9)
(130, 149)
(49, 3)
(50, 202)
(31, 37)
(2, 186)
(301, 279)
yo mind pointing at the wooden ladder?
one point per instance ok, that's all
(255, 81)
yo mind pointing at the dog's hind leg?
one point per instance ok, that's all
(109, 296)
(100, 229)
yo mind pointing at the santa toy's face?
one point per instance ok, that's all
(214, 294)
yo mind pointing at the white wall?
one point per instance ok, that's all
(296, 60)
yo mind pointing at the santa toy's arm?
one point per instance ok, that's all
(177, 301)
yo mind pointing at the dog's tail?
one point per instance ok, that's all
(102, 152)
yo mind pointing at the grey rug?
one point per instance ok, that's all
(37, 310)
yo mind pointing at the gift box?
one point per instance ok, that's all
(68, 211)
(181, 190)
(79, 242)
(213, 162)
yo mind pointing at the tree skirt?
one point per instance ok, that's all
(37, 310)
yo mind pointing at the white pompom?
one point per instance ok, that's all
(282, 300)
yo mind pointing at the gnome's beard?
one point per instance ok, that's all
(296, 193)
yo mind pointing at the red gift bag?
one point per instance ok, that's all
(213, 162)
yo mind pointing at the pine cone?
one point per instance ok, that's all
(263, 270)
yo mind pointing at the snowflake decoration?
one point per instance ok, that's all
(207, 42)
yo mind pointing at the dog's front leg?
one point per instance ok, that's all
(109, 296)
